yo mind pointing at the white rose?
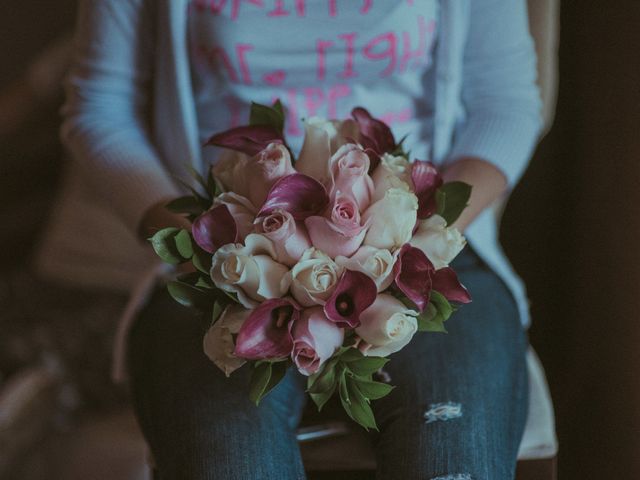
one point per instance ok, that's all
(391, 219)
(323, 138)
(440, 243)
(218, 342)
(313, 278)
(249, 271)
(387, 326)
(391, 172)
(375, 262)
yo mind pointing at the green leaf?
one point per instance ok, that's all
(277, 106)
(204, 202)
(201, 260)
(204, 282)
(452, 198)
(358, 408)
(351, 355)
(265, 115)
(266, 375)
(325, 380)
(196, 176)
(442, 304)
(189, 296)
(373, 390)
(367, 365)
(320, 399)
(438, 311)
(217, 311)
(342, 385)
(187, 204)
(259, 380)
(164, 244)
(183, 244)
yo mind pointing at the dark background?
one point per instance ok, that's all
(572, 227)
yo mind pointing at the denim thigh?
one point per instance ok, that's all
(198, 423)
(460, 405)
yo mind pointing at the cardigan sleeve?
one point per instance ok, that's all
(106, 115)
(499, 93)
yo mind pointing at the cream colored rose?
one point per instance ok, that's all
(391, 219)
(391, 172)
(218, 342)
(386, 326)
(249, 271)
(313, 278)
(375, 262)
(440, 243)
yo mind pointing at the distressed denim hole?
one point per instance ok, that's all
(442, 412)
(458, 476)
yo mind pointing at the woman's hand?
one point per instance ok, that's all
(488, 183)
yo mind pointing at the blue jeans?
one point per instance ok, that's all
(458, 411)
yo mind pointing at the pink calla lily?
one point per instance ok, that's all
(445, 281)
(414, 273)
(298, 194)
(250, 140)
(426, 181)
(266, 333)
(354, 293)
(214, 228)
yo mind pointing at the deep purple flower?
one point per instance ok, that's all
(445, 281)
(266, 333)
(354, 293)
(298, 194)
(214, 228)
(413, 273)
(375, 135)
(426, 181)
(250, 140)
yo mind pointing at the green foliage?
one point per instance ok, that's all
(350, 373)
(164, 244)
(265, 115)
(452, 198)
(437, 312)
(266, 375)
(183, 244)
(189, 295)
(188, 204)
(201, 260)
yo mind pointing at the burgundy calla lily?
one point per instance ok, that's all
(426, 181)
(413, 273)
(446, 282)
(298, 194)
(354, 293)
(375, 135)
(266, 333)
(214, 228)
(250, 140)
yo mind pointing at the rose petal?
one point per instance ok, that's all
(214, 228)
(265, 334)
(445, 281)
(298, 194)
(426, 180)
(354, 293)
(250, 140)
(413, 275)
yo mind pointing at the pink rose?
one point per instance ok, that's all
(253, 177)
(315, 340)
(290, 239)
(340, 234)
(242, 211)
(350, 174)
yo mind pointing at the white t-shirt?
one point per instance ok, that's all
(319, 57)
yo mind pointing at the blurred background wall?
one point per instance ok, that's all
(572, 227)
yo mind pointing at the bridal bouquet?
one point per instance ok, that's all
(327, 264)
